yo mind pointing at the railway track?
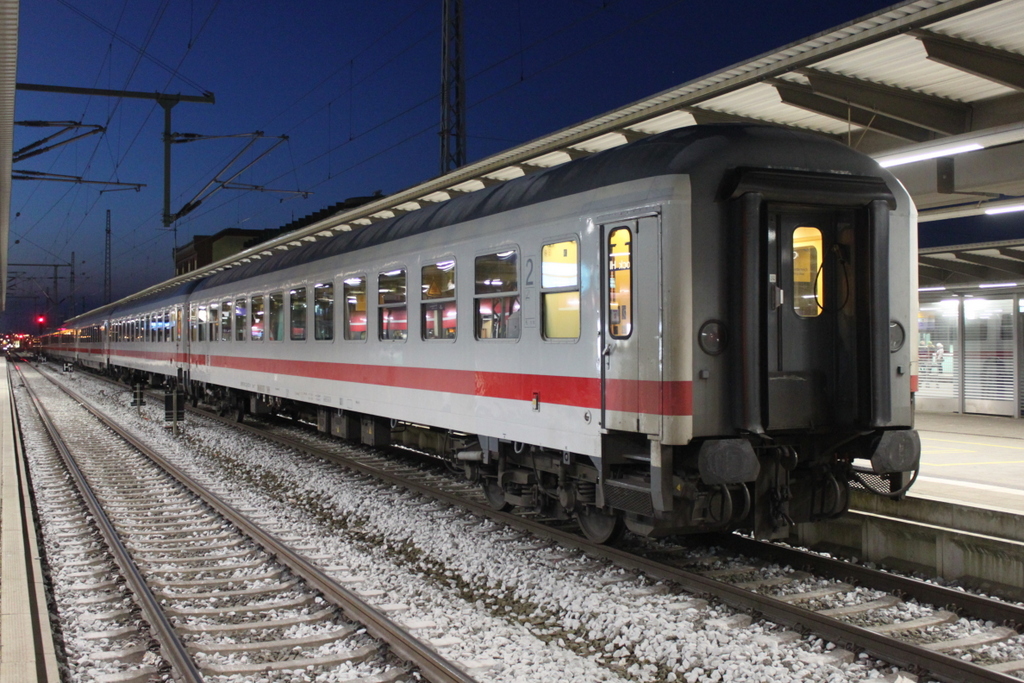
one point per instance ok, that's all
(849, 605)
(219, 596)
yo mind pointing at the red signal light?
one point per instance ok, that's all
(41, 319)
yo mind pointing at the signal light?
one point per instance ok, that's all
(41, 319)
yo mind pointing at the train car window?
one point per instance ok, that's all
(354, 291)
(241, 314)
(193, 322)
(256, 327)
(172, 324)
(225, 321)
(275, 316)
(496, 314)
(392, 313)
(560, 290)
(323, 311)
(214, 321)
(808, 278)
(147, 328)
(297, 300)
(204, 321)
(168, 330)
(620, 283)
(439, 311)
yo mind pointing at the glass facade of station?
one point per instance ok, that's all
(969, 351)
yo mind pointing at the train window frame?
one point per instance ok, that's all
(213, 320)
(241, 319)
(552, 290)
(193, 322)
(226, 316)
(276, 319)
(323, 317)
(502, 253)
(613, 290)
(204, 321)
(258, 316)
(292, 299)
(808, 283)
(391, 308)
(433, 302)
(349, 289)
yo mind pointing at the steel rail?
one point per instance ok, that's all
(173, 649)
(900, 653)
(432, 665)
(968, 604)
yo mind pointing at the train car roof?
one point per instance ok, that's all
(681, 151)
(142, 304)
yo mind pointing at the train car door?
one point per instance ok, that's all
(804, 273)
(631, 309)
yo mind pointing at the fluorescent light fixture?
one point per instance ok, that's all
(998, 284)
(930, 154)
(1004, 209)
(954, 144)
(931, 289)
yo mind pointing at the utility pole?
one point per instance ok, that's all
(106, 265)
(453, 88)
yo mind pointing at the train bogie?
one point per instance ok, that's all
(700, 331)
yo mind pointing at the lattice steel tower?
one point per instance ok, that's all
(453, 89)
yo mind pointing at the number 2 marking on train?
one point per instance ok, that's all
(529, 272)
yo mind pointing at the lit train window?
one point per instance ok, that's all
(439, 312)
(297, 299)
(323, 311)
(354, 292)
(225, 321)
(193, 322)
(496, 313)
(620, 283)
(391, 309)
(275, 316)
(808, 278)
(214, 321)
(560, 290)
(256, 326)
(241, 314)
(179, 323)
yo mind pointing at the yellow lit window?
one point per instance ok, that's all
(808, 275)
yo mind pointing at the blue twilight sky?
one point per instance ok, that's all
(353, 84)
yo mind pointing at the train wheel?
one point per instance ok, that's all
(495, 496)
(600, 526)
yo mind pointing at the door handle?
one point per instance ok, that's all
(608, 349)
(778, 297)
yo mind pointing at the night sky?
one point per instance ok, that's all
(353, 84)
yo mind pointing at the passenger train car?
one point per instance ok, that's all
(702, 330)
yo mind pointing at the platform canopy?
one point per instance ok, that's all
(8, 70)
(934, 89)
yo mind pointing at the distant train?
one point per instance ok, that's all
(698, 331)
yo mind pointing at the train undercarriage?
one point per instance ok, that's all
(761, 484)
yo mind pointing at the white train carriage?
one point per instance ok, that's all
(701, 330)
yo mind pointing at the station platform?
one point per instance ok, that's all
(975, 460)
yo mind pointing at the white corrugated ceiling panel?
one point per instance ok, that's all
(1000, 26)
(762, 102)
(916, 72)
